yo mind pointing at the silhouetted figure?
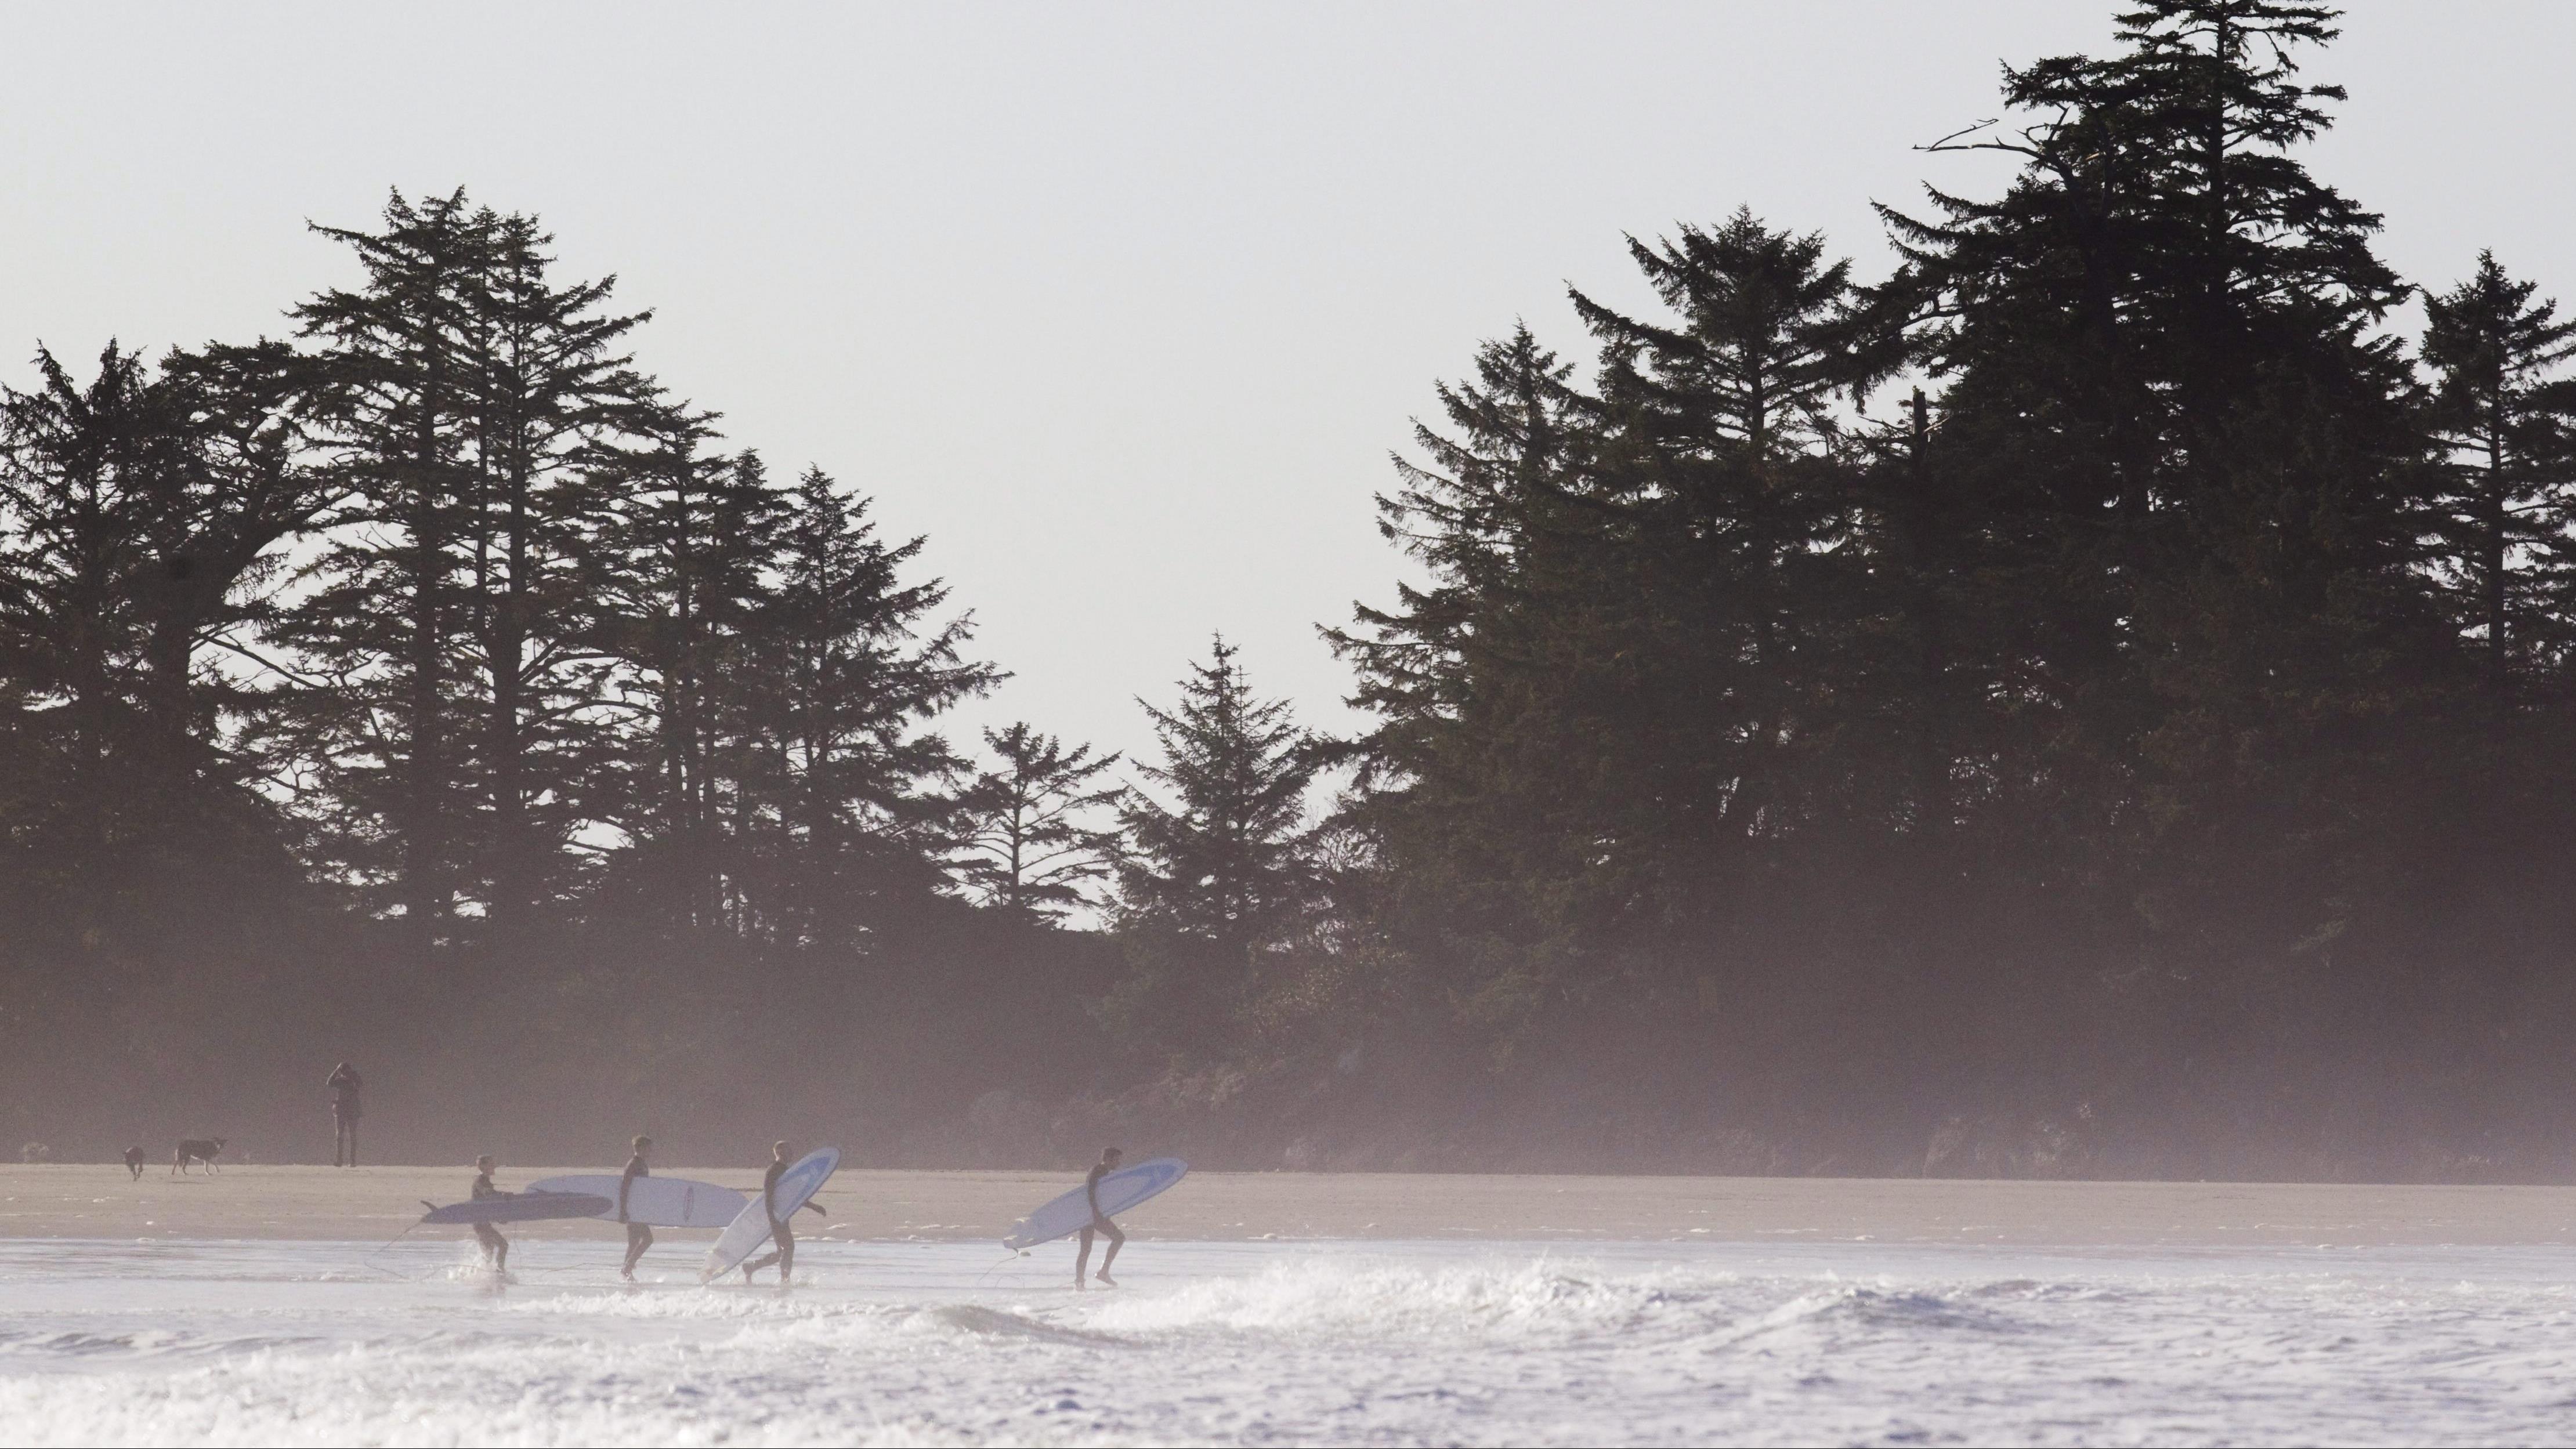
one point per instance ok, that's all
(134, 1162)
(1100, 1222)
(344, 1116)
(638, 1236)
(779, 1231)
(496, 1248)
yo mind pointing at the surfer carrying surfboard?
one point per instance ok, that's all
(638, 1236)
(496, 1249)
(781, 1232)
(1100, 1222)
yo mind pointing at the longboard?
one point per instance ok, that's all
(656, 1202)
(1119, 1191)
(744, 1236)
(519, 1207)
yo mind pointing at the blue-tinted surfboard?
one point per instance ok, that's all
(521, 1207)
(745, 1235)
(1119, 1191)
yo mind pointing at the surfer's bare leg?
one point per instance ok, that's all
(1082, 1259)
(1117, 1240)
(784, 1255)
(496, 1249)
(638, 1238)
(785, 1258)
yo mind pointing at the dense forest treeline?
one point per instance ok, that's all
(2095, 700)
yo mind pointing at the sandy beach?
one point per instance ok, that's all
(376, 1203)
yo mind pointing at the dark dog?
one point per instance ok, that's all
(196, 1149)
(134, 1162)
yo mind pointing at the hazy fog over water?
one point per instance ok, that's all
(1123, 306)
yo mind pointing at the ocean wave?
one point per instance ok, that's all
(977, 1321)
(144, 1345)
(1358, 1296)
(1868, 1311)
(1395, 1344)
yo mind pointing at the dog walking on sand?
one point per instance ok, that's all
(196, 1149)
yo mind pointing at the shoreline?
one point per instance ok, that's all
(378, 1203)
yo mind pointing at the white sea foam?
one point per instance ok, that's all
(1314, 1343)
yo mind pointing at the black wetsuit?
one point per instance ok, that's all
(344, 1117)
(784, 1255)
(496, 1247)
(1099, 1224)
(638, 1236)
(780, 1232)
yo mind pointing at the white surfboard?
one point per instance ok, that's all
(656, 1202)
(750, 1229)
(1119, 1191)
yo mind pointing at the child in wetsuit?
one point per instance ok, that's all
(496, 1248)
(1100, 1222)
(638, 1236)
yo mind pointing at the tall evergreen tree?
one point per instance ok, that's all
(2504, 415)
(2159, 344)
(1225, 862)
(252, 486)
(90, 476)
(1506, 686)
(847, 667)
(1027, 846)
(1495, 501)
(1720, 435)
(132, 511)
(380, 711)
(680, 580)
(550, 394)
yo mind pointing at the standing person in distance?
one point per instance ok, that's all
(344, 1115)
(1100, 1223)
(638, 1236)
(496, 1248)
(780, 1232)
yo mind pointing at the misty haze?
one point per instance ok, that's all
(1399, 725)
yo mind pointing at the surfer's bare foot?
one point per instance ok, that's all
(1105, 1280)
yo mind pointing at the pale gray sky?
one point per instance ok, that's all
(1124, 306)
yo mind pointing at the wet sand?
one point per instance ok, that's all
(376, 1203)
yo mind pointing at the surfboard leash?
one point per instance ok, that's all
(1008, 1257)
(371, 1265)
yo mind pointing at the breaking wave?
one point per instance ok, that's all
(1430, 1343)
